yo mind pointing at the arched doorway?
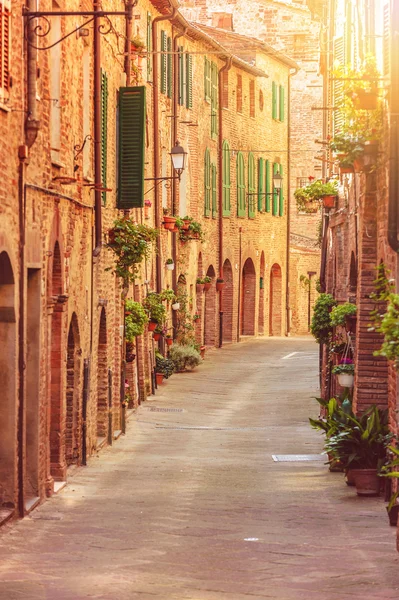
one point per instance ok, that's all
(228, 302)
(210, 311)
(102, 380)
(57, 412)
(73, 404)
(261, 313)
(275, 311)
(8, 368)
(248, 296)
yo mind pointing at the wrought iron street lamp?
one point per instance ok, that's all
(178, 156)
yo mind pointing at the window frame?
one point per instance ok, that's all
(241, 188)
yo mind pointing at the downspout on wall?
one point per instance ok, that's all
(393, 213)
(287, 275)
(155, 100)
(97, 135)
(226, 67)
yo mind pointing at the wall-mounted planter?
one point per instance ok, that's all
(170, 266)
(207, 286)
(176, 305)
(220, 285)
(329, 201)
(169, 222)
(200, 288)
(152, 325)
(169, 341)
(156, 336)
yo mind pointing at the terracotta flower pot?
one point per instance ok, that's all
(202, 351)
(200, 288)
(367, 482)
(168, 219)
(220, 286)
(349, 477)
(152, 325)
(207, 286)
(169, 341)
(329, 201)
(156, 336)
(159, 378)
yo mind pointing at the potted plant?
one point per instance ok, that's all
(345, 372)
(313, 193)
(194, 231)
(390, 469)
(157, 333)
(184, 357)
(196, 317)
(220, 283)
(137, 44)
(169, 339)
(321, 327)
(176, 305)
(136, 319)
(187, 221)
(164, 367)
(167, 295)
(200, 285)
(155, 309)
(207, 283)
(334, 418)
(130, 354)
(170, 265)
(360, 444)
(168, 220)
(341, 313)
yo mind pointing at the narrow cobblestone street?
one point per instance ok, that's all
(191, 504)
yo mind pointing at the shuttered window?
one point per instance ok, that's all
(182, 74)
(261, 184)
(267, 186)
(104, 132)
(338, 87)
(207, 80)
(274, 100)
(149, 47)
(163, 62)
(214, 99)
(226, 182)
(281, 103)
(169, 62)
(207, 183)
(240, 185)
(5, 46)
(251, 186)
(214, 191)
(281, 206)
(252, 98)
(189, 81)
(131, 136)
(276, 194)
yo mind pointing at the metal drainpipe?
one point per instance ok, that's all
(226, 67)
(239, 284)
(287, 275)
(97, 134)
(175, 209)
(155, 98)
(393, 212)
(21, 340)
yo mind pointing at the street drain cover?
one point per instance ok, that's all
(164, 409)
(298, 457)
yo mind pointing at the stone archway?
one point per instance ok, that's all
(261, 312)
(276, 297)
(248, 297)
(210, 311)
(73, 438)
(8, 376)
(102, 380)
(228, 302)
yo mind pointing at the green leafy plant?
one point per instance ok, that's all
(348, 147)
(200, 281)
(185, 331)
(131, 244)
(136, 321)
(194, 231)
(167, 295)
(219, 280)
(313, 193)
(207, 279)
(389, 327)
(340, 312)
(154, 307)
(184, 357)
(321, 327)
(347, 368)
(165, 366)
(169, 261)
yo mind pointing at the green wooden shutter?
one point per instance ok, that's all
(149, 47)
(275, 193)
(226, 179)
(207, 183)
(207, 80)
(214, 99)
(214, 194)
(104, 132)
(240, 185)
(261, 184)
(170, 66)
(267, 185)
(251, 186)
(282, 99)
(281, 212)
(274, 100)
(163, 62)
(131, 136)
(181, 75)
(189, 81)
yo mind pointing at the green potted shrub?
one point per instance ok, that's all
(184, 357)
(200, 285)
(207, 281)
(155, 310)
(334, 417)
(360, 445)
(164, 367)
(309, 197)
(321, 327)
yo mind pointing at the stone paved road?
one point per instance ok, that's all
(190, 504)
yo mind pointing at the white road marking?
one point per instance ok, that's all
(289, 355)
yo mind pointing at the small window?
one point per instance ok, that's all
(252, 98)
(239, 93)
(302, 182)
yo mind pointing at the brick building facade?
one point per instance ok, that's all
(62, 308)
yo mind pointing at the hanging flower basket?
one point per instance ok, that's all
(220, 285)
(170, 265)
(169, 222)
(152, 326)
(156, 336)
(176, 305)
(312, 206)
(207, 286)
(329, 201)
(345, 380)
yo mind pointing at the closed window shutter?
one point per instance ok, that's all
(282, 100)
(261, 184)
(181, 75)
(207, 182)
(226, 179)
(274, 100)
(240, 185)
(149, 47)
(267, 185)
(131, 135)
(4, 48)
(281, 212)
(163, 62)
(338, 89)
(251, 186)
(275, 193)
(104, 132)
(207, 80)
(170, 66)
(189, 81)
(214, 196)
(214, 99)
